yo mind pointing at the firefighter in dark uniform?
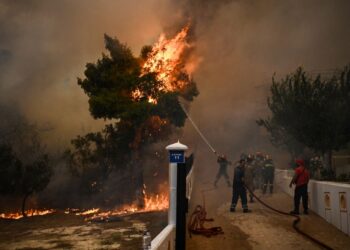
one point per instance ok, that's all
(268, 174)
(258, 167)
(249, 176)
(239, 190)
(223, 163)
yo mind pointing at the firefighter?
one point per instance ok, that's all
(249, 176)
(300, 179)
(244, 157)
(223, 163)
(239, 191)
(268, 173)
(258, 166)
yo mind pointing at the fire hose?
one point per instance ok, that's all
(295, 222)
(198, 217)
(197, 129)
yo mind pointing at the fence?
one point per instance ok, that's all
(330, 200)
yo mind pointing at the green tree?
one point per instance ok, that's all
(10, 170)
(35, 177)
(21, 179)
(24, 165)
(111, 84)
(280, 138)
(313, 111)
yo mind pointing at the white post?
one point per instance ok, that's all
(176, 153)
(172, 193)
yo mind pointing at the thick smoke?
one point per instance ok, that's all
(44, 46)
(242, 44)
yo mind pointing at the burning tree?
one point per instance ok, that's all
(141, 95)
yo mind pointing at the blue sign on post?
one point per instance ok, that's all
(177, 156)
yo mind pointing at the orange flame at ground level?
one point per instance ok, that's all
(156, 202)
(29, 213)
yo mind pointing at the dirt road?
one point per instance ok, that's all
(261, 229)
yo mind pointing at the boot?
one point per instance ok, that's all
(246, 210)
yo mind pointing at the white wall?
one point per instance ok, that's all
(330, 200)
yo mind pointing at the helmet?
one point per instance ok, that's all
(259, 156)
(243, 157)
(300, 162)
(249, 158)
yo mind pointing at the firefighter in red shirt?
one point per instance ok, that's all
(300, 179)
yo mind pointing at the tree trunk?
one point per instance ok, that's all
(139, 183)
(137, 172)
(24, 203)
(328, 162)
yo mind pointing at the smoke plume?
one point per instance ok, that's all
(44, 46)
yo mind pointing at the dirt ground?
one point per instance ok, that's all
(261, 229)
(62, 231)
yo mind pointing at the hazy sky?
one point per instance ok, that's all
(44, 46)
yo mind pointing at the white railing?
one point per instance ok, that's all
(330, 200)
(189, 183)
(165, 239)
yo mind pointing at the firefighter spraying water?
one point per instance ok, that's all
(223, 164)
(240, 188)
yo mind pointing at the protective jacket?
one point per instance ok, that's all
(238, 178)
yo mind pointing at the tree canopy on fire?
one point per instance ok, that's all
(142, 110)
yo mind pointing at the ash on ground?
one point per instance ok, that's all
(67, 231)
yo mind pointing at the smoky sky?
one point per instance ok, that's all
(242, 44)
(44, 46)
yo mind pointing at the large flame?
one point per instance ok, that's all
(166, 58)
(167, 61)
